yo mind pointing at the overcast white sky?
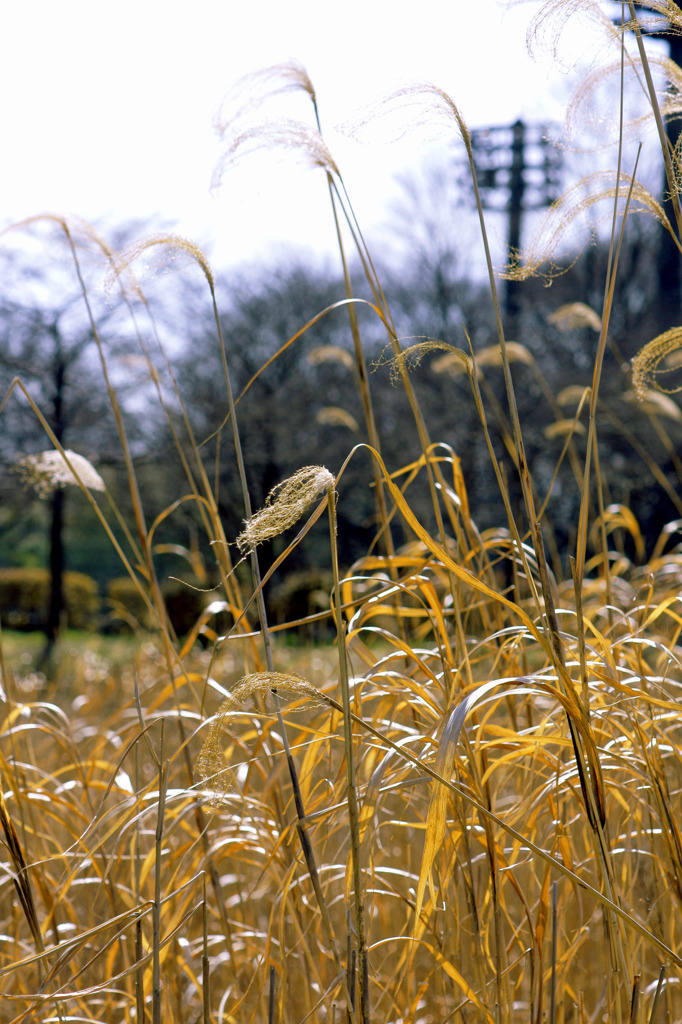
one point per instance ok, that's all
(107, 107)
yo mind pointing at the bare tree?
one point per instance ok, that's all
(46, 341)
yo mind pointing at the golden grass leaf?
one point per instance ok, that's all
(573, 315)
(20, 874)
(619, 517)
(543, 910)
(436, 817)
(335, 416)
(314, 753)
(444, 556)
(445, 761)
(455, 976)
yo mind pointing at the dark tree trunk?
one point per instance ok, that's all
(516, 211)
(54, 614)
(57, 559)
(669, 262)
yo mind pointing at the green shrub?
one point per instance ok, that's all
(127, 610)
(25, 595)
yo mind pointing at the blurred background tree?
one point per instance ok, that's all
(46, 341)
(304, 407)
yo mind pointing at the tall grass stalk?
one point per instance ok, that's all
(156, 918)
(353, 814)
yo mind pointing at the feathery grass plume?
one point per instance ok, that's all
(579, 114)
(573, 315)
(452, 365)
(573, 394)
(654, 403)
(210, 764)
(288, 134)
(81, 234)
(645, 365)
(652, 16)
(547, 26)
(254, 89)
(330, 354)
(284, 506)
(411, 357)
(562, 427)
(165, 253)
(542, 256)
(492, 356)
(429, 106)
(49, 471)
(673, 359)
(335, 416)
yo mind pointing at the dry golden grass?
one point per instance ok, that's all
(471, 812)
(457, 877)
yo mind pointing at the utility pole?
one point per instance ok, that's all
(518, 170)
(669, 261)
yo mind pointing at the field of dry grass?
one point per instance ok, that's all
(540, 874)
(467, 808)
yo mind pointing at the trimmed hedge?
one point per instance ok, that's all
(128, 611)
(25, 596)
